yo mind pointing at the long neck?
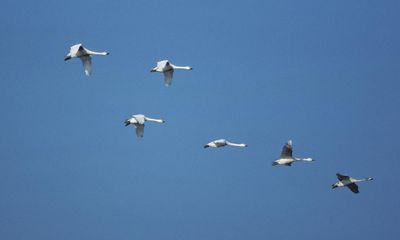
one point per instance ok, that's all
(181, 67)
(236, 144)
(304, 159)
(363, 179)
(154, 120)
(97, 53)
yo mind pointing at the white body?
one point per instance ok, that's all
(222, 142)
(287, 158)
(168, 68)
(138, 121)
(284, 161)
(78, 51)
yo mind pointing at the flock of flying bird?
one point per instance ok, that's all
(167, 68)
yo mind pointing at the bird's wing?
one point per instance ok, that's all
(74, 49)
(139, 130)
(162, 64)
(140, 118)
(341, 177)
(353, 187)
(87, 64)
(287, 150)
(168, 77)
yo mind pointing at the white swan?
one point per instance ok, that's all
(222, 142)
(168, 68)
(287, 158)
(85, 55)
(346, 181)
(138, 121)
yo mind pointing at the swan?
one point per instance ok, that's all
(286, 156)
(138, 121)
(168, 68)
(85, 55)
(347, 181)
(222, 142)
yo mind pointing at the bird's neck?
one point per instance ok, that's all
(97, 53)
(154, 120)
(181, 67)
(304, 159)
(363, 179)
(236, 144)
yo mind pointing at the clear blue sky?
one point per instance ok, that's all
(323, 73)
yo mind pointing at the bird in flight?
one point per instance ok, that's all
(347, 181)
(138, 121)
(287, 158)
(167, 68)
(78, 51)
(222, 143)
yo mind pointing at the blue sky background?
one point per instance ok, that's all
(323, 73)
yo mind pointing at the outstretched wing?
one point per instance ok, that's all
(287, 150)
(353, 187)
(168, 77)
(87, 64)
(341, 177)
(162, 65)
(139, 130)
(75, 49)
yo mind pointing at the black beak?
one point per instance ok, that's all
(66, 58)
(274, 163)
(334, 186)
(152, 70)
(127, 123)
(206, 146)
